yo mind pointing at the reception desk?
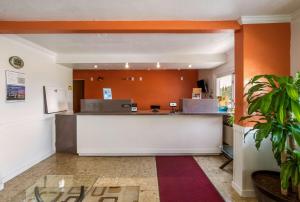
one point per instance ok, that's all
(148, 133)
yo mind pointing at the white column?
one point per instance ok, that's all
(247, 160)
(1, 183)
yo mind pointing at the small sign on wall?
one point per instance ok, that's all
(107, 94)
(15, 86)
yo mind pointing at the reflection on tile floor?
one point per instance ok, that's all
(57, 188)
(119, 171)
(92, 194)
(106, 194)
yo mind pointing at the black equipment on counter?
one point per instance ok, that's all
(203, 85)
(155, 108)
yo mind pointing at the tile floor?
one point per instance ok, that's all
(221, 179)
(120, 171)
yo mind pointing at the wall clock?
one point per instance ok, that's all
(16, 62)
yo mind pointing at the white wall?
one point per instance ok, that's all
(295, 43)
(26, 133)
(211, 75)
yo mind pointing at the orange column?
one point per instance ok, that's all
(259, 49)
(239, 74)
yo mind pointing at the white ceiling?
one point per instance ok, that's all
(141, 9)
(82, 51)
(209, 43)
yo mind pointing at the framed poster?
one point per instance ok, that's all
(107, 95)
(15, 86)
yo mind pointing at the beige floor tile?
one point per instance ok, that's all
(149, 196)
(120, 171)
(221, 178)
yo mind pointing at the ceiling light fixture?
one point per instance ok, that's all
(157, 65)
(127, 65)
(95, 66)
(190, 66)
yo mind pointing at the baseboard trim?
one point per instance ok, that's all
(243, 193)
(24, 167)
(148, 152)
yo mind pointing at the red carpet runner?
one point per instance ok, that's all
(180, 179)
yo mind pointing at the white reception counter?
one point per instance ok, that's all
(148, 134)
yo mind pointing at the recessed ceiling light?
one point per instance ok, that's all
(190, 66)
(127, 65)
(157, 65)
(95, 66)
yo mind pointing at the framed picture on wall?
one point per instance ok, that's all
(15, 86)
(107, 94)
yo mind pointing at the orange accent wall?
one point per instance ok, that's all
(260, 49)
(157, 87)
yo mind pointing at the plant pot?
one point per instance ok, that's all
(267, 187)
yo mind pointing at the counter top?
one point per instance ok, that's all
(143, 112)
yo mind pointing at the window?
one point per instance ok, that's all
(225, 87)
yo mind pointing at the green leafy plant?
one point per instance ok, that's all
(231, 119)
(274, 109)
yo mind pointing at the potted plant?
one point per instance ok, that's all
(274, 109)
